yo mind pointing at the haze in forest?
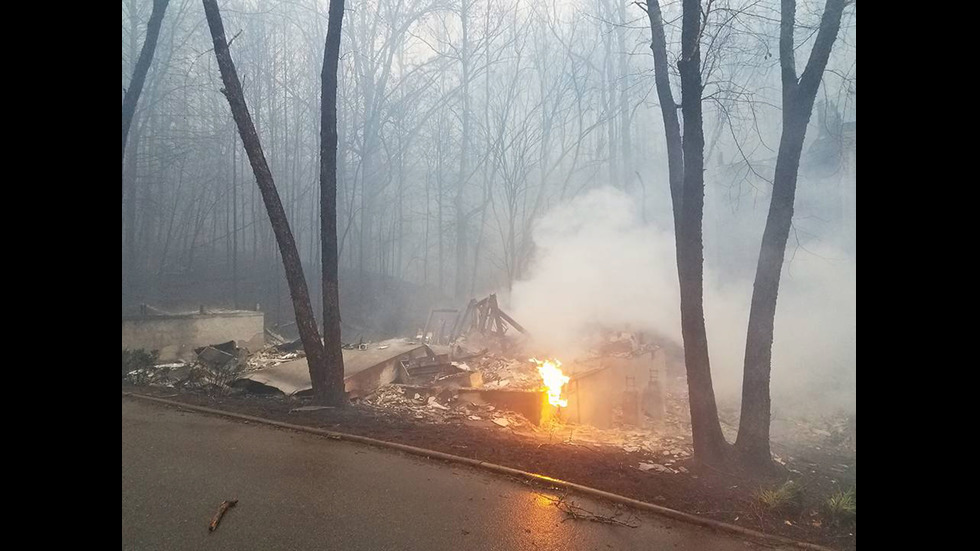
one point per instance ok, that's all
(493, 146)
(597, 264)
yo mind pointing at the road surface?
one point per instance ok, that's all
(302, 491)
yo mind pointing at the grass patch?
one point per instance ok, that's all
(841, 505)
(785, 497)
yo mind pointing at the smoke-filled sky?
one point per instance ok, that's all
(597, 262)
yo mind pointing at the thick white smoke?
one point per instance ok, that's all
(596, 262)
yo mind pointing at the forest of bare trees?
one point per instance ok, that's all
(413, 154)
(459, 124)
(663, 192)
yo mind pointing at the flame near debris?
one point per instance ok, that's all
(554, 379)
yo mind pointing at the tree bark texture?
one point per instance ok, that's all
(330, 387)
(305, 320)
(752, 444)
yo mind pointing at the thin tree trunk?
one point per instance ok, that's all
(139, 77)
(130, 264)
(439, 194)
(331, 387)
(608, 101)
(305, 320)
(752, 444)
(234, 223)
(459, 293)
(668, 109)
(625, 137)
(709, 443)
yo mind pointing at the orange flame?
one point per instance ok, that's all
(554, 379)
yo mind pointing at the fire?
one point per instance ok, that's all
(554, 379)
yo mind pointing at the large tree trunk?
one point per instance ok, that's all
(305, 320)
(752, 444)
(329, 385)
(709, 443)
(139, 76)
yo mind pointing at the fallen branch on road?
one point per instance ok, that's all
(573, 511)
(225, 505)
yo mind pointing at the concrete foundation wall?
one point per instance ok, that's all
(176, 336)
(533, 405)
(368, 380)
(593, 395)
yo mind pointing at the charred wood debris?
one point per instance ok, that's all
(480, 350)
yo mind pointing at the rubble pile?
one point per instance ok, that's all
(474, 371)
(394, 398)
(659, 445)
(441, 406)
(167, 374)
(270, 356)
(511, 373)
(213, 369)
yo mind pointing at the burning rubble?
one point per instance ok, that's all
(554, 380)
(584, 402)
(617, 395)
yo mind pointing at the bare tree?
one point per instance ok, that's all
(331, 385)
(799, 92)
(462, 219)
(685, 165)
(132, 94)
(668, 108)
(709, 442)
(305, 320)
(454, 135)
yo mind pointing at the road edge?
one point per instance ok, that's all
(500, 469)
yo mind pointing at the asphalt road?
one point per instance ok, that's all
(302, 491)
